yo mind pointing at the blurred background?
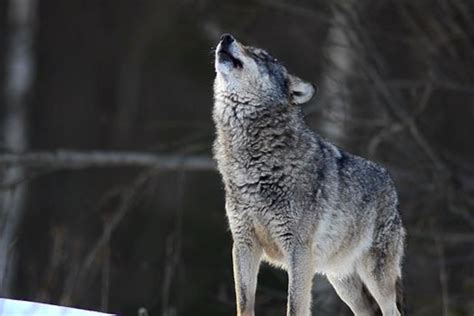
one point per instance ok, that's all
(109, 199)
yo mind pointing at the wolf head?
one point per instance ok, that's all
(252, 76)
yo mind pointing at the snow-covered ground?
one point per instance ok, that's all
(19, 308)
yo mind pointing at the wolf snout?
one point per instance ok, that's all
(228, 52)
(226, 40)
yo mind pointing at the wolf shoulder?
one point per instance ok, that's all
(354, 172)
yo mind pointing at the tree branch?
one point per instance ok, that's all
(69, 159)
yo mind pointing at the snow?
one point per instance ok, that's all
(10, 307)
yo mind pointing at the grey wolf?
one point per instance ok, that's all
(295, 200)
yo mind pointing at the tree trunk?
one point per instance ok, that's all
(20, 66)
(339, 68)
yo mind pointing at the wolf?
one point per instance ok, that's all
(295, 200)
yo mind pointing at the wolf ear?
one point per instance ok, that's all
(300, 91)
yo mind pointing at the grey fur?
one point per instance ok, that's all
(292, 198)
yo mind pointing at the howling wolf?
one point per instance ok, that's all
(295, 200)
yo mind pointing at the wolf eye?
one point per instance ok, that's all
(256, 56)
(265, 57)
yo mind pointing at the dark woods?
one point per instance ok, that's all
(109, 199)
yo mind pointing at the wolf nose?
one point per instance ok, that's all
(226, 39)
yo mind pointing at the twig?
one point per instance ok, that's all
(424, 100)
(385, 133)
(443, 276)
(105, 289)
(437, 85)
(445, 238)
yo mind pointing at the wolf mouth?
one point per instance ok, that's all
(226, 56)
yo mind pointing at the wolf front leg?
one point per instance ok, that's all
(246, 258)
(300, 276)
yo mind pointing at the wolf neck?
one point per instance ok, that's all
(269, 129)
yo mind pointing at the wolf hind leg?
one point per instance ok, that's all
(380, 275)
(351, 291)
